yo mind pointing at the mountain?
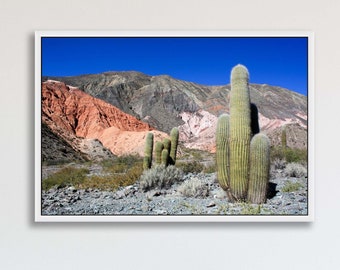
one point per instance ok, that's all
(89, 125)
(164, 102)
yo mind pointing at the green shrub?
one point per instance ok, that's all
(128, 159)
(114, 180)
(196, 154)
(160, 176)
(248, 209)
(68, 176)
(291, 186)
(289, 154)
(106, 163)
(190, 166)
(210, 168)
(117, 175)
(56, 162)
(295, 155)
(121, 164)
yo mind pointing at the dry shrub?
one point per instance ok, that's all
(160, 176)
(279, 164)
(295, 170)
(194, 188)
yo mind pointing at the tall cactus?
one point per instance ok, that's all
(158, 152)
(242, 162)
(259, 169)
(174, 135)
(147, 161)
(222, 151)
(240, 132)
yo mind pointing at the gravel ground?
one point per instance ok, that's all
(132, 200)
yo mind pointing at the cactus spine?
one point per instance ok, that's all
(158, 152)
(147, 161)
(259, 168)
(174, 135)
(222, 151)
(240, 132)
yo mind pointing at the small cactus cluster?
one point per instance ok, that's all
(165, 152)
(242, 155)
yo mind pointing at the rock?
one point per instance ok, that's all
(120, 194)
(145, 208)
(156, 193)
(160, 212)
(72, 189)
(211, 204)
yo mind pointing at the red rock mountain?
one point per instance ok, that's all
(72, 114)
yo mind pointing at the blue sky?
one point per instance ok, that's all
(278, 61)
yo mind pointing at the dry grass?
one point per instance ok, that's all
(295, 170)
(194, 188)
(122, 171)
(160, 176)
(114, 180)
(291, 186)
(190, 166)
(68, 176)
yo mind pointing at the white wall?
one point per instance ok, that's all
(26, 245)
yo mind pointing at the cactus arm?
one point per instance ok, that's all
(167, 144)
(259, 169)
(222, 151)
(158, 152)
(165, 157)
(174, 135)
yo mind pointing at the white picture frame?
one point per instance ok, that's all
(39, 35)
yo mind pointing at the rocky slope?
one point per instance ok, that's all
(55, 149)
(132, 200)
(89, 124)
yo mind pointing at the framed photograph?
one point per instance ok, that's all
(174, 126)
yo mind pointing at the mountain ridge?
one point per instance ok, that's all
(164, 102)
